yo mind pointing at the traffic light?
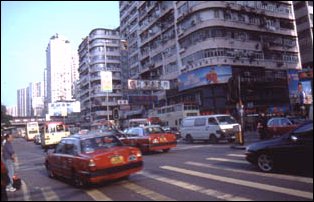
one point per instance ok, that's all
(115, 114)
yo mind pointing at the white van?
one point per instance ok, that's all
(210, 128)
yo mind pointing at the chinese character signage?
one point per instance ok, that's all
(148, 85)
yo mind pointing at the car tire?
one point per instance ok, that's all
(265, 162)
(77, 180)
(165, 150)
(213, 139)
(189, 139)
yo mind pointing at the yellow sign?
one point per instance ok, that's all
(106, 81)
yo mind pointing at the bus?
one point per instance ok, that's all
(32, 129)
(172, 115)
(52, 133)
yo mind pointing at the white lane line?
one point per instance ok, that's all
(196, 188)
(227, 160)
(237, 155)
(256, 185)
(26, 194)
(98, 195)
(271, 175)
(146, 192)
(49, 194)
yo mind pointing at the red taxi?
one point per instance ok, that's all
(279, 126)
(92, 158)
(149, 138)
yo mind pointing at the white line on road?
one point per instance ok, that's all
(98, 195)
(282, 190)
(196, 188)
(277, 176)
(26, 194)
(49, 194)
(227, 160)
(237, 155)
(146, 192)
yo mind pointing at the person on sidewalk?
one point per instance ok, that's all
(9, 159)
(262, 126)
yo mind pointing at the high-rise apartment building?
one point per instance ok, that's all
(35, 99)
(303, 11)
(22, 95)
(60, 71)
(205, 47)
(99, 51)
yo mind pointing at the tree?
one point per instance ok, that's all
(5, 119)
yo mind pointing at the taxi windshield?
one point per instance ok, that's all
(152, 130)
(97, 143)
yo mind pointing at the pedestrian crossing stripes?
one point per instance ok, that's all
(97, 195)
(217, 193)
(256, 185)
(271, 175)
(227, 160)
(196, 188)
(146, 192)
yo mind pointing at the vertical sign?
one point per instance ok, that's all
(106, 81)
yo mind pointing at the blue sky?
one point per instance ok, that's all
(26, 28)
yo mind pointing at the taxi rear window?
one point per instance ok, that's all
(96, 143)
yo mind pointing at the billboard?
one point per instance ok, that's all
(148, 85)
(204, 76)
(106, 81)
(63, 108)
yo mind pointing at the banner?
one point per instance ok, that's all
(204, 76)
(106, 81)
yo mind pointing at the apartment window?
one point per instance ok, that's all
(216, 13)
(302, 20)
(299, 4)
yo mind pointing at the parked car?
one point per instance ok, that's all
(210, 128)
(92, 158)
(280, 125)
(149, 138)
(294, 148)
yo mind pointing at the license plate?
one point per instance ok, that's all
(117, 159)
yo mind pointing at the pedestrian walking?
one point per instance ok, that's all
(262, 126)
(9, 159)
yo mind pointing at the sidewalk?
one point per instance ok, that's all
(249, 138)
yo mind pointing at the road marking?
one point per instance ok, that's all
(30, 167)
(146, 192)
(277, 176)
(49, 194)
(185, 147)
(25, 191)
(98, 195)
(256, 185)
(227, 160)
(237, 155)
(196, 188)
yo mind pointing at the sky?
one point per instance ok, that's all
(26, 28)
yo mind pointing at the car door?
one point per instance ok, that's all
(302, 138)
(66, 160)
(56, 158)
(200, 128)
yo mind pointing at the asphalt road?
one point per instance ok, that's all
(190, 172)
